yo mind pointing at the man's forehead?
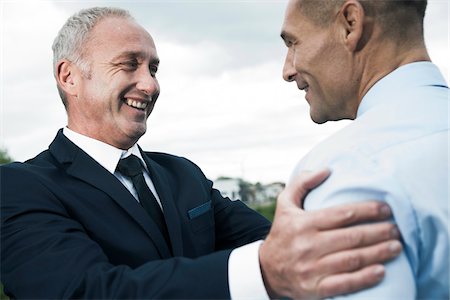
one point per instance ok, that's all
(293, 5)
(124, 35)
(119, 27)
(129, 54)
(292, 15)
(291, 22)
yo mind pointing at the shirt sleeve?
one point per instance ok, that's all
(244, 273)
(354, 178)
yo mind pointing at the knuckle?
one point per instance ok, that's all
(303, 278)
(318, 215)
(374, 209)
(325, 291)
(304, 249)
(351, 286)
(394, 232)
(333, 289)
(355, 238)
(383, 252)
(388, 231)
(306, 273)
(353, 261)
(367, 279)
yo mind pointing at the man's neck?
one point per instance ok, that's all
(384, 59)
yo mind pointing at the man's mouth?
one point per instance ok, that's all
(304, 88)
(142, 105)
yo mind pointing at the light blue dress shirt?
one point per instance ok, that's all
(397, 151)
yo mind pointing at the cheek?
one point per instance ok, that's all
(333, 66)
(157, 86)
(309, 58)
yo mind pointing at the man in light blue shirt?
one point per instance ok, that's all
(367, 61)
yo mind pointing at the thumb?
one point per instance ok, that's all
(296, 191)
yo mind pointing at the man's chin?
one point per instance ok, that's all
(138, 133)
(131, 136)
(317, 118)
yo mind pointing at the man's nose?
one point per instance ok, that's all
(147, 82)
(289, 71)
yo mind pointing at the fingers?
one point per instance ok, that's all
(348, 214)
(352, 260)
(350, 282)
(357, 236)
(299, 188)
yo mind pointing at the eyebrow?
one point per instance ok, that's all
(133, 54)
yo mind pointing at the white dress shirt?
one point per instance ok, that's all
(244, 274)
(397, 151)
(108, 157)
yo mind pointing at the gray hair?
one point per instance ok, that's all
(72, 37)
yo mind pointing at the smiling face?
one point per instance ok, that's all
(320, 64)
(113, 101)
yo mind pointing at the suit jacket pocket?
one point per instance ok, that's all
(201, 217)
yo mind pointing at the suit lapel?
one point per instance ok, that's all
(164, 190)
(83, 167)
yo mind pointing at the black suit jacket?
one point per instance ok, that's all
(70, 229)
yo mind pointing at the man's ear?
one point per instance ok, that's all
(351, 20)
(66, 73)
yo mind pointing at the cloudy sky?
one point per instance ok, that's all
(223, 102)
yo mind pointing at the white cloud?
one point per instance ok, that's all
(28, 32)
(245, 122)
(200, 59)
(31, 109)
(223, 102)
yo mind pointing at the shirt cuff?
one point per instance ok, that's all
(244, 273)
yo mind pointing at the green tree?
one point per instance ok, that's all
(4, 157)
(267, 210)
(245, 190)
(2, 294)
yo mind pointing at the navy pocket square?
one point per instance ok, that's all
(199, 210)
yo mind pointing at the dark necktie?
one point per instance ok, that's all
(131, 167)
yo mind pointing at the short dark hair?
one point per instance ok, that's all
(394, 16)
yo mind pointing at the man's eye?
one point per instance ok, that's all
(153, 70)
(132, 64)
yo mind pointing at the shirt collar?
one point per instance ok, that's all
(106, 155)
(407, 76)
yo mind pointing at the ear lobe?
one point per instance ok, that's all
(352, 20)
(65, 77)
